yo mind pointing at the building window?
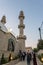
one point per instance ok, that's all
(11, 46)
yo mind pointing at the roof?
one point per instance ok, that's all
(4, 29)
(28, 47)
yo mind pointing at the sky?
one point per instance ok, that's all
(33, 12)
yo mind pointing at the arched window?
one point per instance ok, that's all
(11, 46)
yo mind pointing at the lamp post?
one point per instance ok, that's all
(40, 33)
(40, 30)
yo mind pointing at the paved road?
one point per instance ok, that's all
(23, 63)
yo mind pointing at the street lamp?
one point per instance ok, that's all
(40, 32)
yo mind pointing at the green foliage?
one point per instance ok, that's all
(40, 44)
(16, 57)
(6, 60)
(35, 49)
(3, 60)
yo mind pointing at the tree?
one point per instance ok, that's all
(35, 49)
(40, 44)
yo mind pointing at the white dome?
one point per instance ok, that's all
(3, 27)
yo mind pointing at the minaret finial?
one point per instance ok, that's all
(3, 20)
(21, 15)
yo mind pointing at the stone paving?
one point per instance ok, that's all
(23, 63)
(38, 62)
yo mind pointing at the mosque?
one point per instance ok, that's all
(8, 42)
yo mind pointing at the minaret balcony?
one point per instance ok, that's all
(23, 26)
(21, 15)
(21, 37)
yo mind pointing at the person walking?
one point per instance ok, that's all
(23, 56)
(20, 54)
(34, 59)
(28, 58)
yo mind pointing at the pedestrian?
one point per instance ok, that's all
(23, 55)
(34, 59)
(28, 58)
(20, 54)
(10, 57)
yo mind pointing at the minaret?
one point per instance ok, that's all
(3, 20)
(21, 38)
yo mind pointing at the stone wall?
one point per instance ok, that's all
(4, 43)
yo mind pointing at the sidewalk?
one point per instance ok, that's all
(38, 62)
(23, 63)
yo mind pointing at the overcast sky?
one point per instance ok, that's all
(33, 11)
